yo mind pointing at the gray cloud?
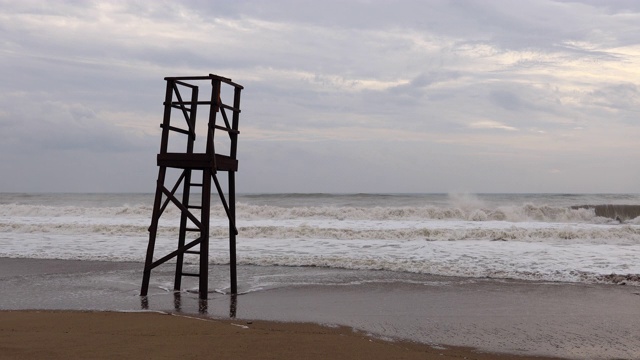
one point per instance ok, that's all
(474, 95)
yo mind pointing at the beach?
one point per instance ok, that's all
(108, 335)
(415, 318)
(511, 274)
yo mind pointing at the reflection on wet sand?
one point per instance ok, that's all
(233, 305)
(203, 304)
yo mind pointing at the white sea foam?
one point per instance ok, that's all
(474, 258)
(444, 230)
(461, 238)
(527, 212)
(520, 213)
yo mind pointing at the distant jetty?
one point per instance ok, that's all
(618, 212)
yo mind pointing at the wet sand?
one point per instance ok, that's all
(507, 317)
(110, 335)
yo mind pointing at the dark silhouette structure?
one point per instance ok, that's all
(194, 172)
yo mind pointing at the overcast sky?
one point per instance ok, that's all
(340, 96)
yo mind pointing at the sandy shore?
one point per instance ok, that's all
(458, 314)
(110, 335)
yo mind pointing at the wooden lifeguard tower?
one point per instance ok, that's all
(193, 235)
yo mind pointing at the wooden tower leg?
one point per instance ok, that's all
(233, 135)
(232, 233)
(153, 229)
(204, 234)
(155, 217)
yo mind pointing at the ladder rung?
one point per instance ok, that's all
(223, 128)
(192, 229)
(195, 184)
(224, 106)
(180, 106)
(190, 274)
(192, 252)
(182, 131)
(194, 206)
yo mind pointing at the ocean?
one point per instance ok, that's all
(542, 237)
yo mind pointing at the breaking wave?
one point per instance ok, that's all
(494, 231)
(527, 212)
(526, 241)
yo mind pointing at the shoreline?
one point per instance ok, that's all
(560, 320)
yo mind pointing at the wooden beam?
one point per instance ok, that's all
(173, 254)
(197, 161)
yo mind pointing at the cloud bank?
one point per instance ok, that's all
(355, 96)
